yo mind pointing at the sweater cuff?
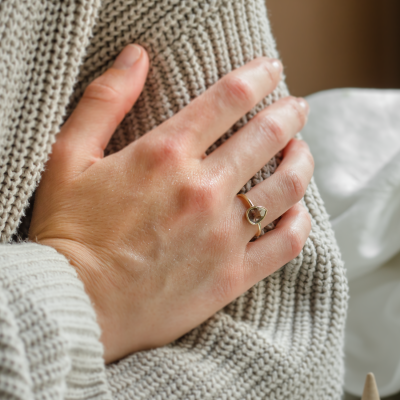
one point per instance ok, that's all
(56, 336)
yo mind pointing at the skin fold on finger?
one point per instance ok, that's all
(210, 115)
(284, 188)
(277, 247)
(246, 152)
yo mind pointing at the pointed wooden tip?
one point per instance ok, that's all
(370, 388)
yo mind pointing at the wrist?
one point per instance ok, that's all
(98, 286)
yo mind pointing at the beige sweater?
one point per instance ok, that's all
(282, 339)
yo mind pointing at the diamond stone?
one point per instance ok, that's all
(257, 214)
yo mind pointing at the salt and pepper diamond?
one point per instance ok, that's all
(256, 214)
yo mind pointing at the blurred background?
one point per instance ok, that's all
(337, 43)
(354, 135)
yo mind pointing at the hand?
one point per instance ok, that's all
(156, 231)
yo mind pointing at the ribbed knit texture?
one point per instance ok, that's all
(49, 338)
(282, 339)
(41, 45)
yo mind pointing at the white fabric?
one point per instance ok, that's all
(354, 135)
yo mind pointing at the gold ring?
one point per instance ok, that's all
(254, 214)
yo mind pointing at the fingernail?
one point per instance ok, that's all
(303, 104)
(276, 64)
(128, 56)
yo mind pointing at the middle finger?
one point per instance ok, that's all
(210, 115)
(246, 152)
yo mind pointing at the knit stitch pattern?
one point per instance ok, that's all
(282, 339)
(49, 337)
(41, 46)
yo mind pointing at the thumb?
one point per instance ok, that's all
(102, 107)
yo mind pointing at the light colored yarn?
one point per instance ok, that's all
(49, 338)
(282, 339)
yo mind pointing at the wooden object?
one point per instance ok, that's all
(370, 388)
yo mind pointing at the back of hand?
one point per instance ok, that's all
(156, 231)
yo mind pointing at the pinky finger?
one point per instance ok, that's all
(279, 246)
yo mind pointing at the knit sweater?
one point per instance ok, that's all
(282, 339)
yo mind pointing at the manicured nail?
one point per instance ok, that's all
(128, 56)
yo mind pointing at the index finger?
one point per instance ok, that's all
(210, 115)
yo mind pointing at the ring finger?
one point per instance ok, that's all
(283, 189)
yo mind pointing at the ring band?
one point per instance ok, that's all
(254, 214)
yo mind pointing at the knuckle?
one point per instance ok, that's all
(201, 197)
(161, 150)
(102, 89)
(271, 129)
(167, 149)
(295, 185)
(237, 90)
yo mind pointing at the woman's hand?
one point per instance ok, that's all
(156, 231)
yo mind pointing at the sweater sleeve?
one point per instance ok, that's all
(49, 338)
